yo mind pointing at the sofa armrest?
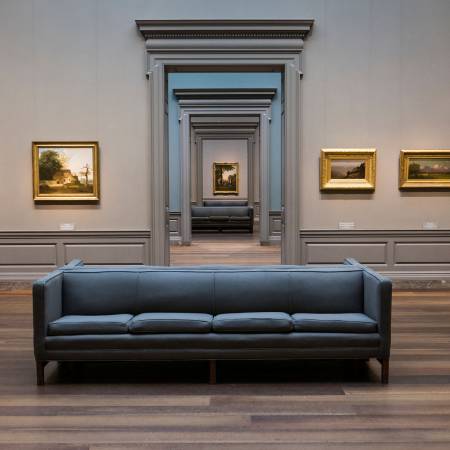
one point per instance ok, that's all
(74, 264)
(47, 306)
(378, 305)
(377, 302)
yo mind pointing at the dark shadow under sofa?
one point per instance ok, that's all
(212, 313)
(222, 215)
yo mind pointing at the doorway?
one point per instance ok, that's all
(224, 46)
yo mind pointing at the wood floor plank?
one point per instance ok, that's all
(104, 436)
(277, 446)
(225, 248)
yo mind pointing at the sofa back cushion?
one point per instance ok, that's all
(325, 290)
(220, 211)
(212, 290)
(225, 203)
(169, 290)
(251, 291)
(87, 292)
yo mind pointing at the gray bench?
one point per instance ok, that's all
(222, 215)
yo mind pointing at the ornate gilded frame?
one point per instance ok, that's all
(63, 198)
(405, 182)
(217, 192)
(327, 156)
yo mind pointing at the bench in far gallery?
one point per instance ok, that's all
(222, 215)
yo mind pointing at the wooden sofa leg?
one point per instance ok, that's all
(212, 371)
(384, 370)
(40, 372)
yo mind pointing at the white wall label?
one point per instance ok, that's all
(67, 226)
(346, 225)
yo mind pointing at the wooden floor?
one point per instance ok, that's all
(304, 405)
(225, 248)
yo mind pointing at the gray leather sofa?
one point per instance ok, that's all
(222, 215)
(212, 313)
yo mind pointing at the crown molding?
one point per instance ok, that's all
(225, 29)
(225, 93)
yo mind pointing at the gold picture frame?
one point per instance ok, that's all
(228, 185)
(424, 169)
(65, 171)
(347, 169)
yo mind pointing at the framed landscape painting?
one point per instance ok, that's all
(345, 169)
(65, 171)
(225, 178)
(425, 169)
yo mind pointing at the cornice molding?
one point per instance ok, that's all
(225, 29)
(223, 93)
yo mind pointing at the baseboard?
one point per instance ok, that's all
(412, 281)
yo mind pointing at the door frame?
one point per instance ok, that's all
(224, 45)
(212, 128)
(264, 176)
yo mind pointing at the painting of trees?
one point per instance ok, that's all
(49, 164)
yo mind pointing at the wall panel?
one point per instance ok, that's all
(422, 253)
(108, 253)
(398, 253)
(28, 255)
(334, 252)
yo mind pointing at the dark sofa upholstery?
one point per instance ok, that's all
(222, 215)
(211, 313)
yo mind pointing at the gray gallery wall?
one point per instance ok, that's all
(376, 74)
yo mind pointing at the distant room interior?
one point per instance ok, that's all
(223, 143)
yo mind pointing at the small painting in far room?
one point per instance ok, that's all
(225, 178)
(347, 169)
(65, 171)
(425, 169)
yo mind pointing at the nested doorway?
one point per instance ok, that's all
(217, 116)
(224, 46)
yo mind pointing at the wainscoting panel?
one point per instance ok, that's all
(422, 253)
(275, 226)
(106, 253)
(401, 254)
(175, 227)
(334, 252)
(29, 254)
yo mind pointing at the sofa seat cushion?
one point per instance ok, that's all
(239, 219)
(219, 218)
(171, 323)
(334, 323)
(254, 322)
(104, 324)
